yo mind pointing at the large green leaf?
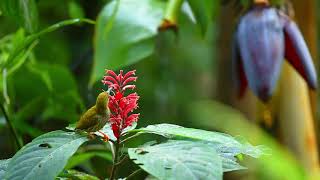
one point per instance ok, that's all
(125, 33)
(178, 160)
(22, 11)
(179, 132)
(217, 138)
(226, 146)
(3, 167)
(213, 114)
(44, 157)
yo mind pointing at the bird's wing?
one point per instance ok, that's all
(88, 119)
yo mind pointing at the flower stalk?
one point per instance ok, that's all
(172, 10)
(121, 105)
(115, 160)
(171, 15)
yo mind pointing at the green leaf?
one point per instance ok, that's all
(203, 11)
(178, 160)
(20, 48)
(75, 10)
(108, 131)
(44, 157)
(3, 167)
(23, 11)
(7, 46)
(129, 128)
(82, 157)
(76, 175)
(26, 112)
(213, 114)
(227, 146)
(20, 60)
(125, 33)
(54, 85)
(178, 132)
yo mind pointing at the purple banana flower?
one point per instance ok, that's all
(264, 38)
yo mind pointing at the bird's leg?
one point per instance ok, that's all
(91, 135)
(105, 137)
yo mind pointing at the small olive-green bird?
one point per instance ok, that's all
(96, 117)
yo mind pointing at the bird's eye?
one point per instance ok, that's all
(110, 91)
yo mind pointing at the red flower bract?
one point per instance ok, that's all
(121, 106)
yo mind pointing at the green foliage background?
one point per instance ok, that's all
(48, 79)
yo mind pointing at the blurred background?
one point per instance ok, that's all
(186, 81)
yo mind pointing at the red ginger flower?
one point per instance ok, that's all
(121, 106)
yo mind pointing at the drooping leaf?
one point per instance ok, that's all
(125, 33)
(178, 160)
(34, 37)
(21, 59)
(22, 11)
(3, 167)
(203, 11)
(44, 157)
(7, 46)
(226, 146)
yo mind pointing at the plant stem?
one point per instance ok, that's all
(115, 160)
(134, 173)
(13, 131)
(128, 138)
(172, 10)
(122, 160)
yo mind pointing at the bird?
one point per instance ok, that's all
(95, 118)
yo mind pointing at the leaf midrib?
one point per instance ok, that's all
(48, 155)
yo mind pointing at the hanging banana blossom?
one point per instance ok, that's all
(265, 36)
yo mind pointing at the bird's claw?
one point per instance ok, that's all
(91, 135)
(105, 137)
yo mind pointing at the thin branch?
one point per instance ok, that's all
(13, 131)
(122, 160)
(115, 160)
(128, 138)
(4, 85)
(134, 173)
